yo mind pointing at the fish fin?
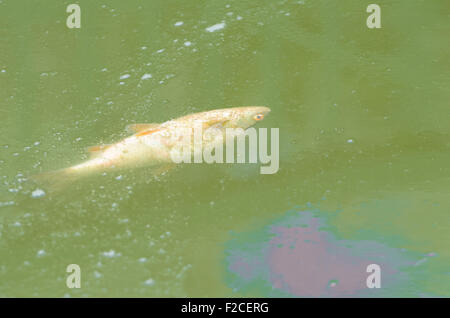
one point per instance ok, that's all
(95, 150)
(217, 124)
(53, 181)
(146, 132)
(135, 128)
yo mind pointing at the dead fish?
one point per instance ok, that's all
(151, 144)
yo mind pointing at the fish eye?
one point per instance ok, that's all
(258, 117)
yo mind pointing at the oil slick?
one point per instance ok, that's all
(154, 145)
(298, 255)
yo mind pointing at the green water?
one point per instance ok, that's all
(364, 130)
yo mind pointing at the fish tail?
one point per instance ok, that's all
(54, 180)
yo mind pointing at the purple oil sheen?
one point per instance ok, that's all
(244, 267)
(302, 260)
(310, 264)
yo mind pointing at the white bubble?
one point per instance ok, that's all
(6, 203)
(179, 23)
(38, 193)
(41, 253)
(97, 274)
(146, 76)
(111, 254)
(149, 282)
(216, 27)
(350, 141)
(188, 43)
(125, 76)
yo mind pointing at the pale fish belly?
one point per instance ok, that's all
(95, 164)
(130, 153)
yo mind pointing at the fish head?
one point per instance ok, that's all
(234, 117)
(245, 117)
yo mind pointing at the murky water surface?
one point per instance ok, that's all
(364, 148)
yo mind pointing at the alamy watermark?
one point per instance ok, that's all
(216, 145)
(374, 279)
(74, 279)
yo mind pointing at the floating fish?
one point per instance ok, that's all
(151, 144)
